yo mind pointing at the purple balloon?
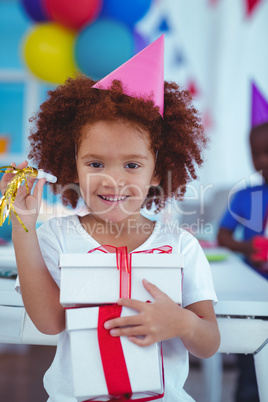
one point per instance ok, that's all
(35, 9)
(139, 42)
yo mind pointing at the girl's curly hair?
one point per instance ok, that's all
(178, 138)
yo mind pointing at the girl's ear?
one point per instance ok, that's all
(156, 180)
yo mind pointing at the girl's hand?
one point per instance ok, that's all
(26, 205)
(155, 322)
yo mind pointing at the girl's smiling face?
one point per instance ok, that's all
(115, 167)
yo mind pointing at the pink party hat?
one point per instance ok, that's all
(259, 107)
(142, 76)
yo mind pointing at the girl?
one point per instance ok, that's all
(114, 149)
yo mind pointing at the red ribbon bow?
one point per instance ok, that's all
(123, 262)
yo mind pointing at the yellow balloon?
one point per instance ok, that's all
(48, 51)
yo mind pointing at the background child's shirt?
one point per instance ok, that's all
(249, 210)
(66, 235)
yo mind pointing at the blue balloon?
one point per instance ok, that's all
(126, 11)
(35, 10)
(103, 46)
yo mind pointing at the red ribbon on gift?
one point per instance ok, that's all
(112, 355)
(123, 262)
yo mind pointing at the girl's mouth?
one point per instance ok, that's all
(113, 199)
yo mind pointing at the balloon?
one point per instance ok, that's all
(48, 52)
(126, 11)
(139, 42)
(73, 14)
(35, 9)
(102, 47)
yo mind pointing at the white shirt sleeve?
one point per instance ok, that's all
(197, 279)
(51, 249)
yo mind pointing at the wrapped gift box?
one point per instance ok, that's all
(93, 279)
(143, 364)
(260, 245)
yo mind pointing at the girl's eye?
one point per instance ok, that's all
(96, 165)
(132, 165)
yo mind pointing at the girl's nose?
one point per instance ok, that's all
(112, 180)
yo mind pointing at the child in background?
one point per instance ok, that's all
(249, 210)
(249, 207)
(123, 143)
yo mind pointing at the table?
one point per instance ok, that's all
(16, 326)
(242, 314)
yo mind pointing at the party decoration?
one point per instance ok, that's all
(193, 88)
(127, 11)
(103, 46)
(179, 57)
(48, 52)
(21, 175)
(73, 14)
(35, 10)
(91, 36)
(250, 6)
(164, 25)
(259, 107)
(142, 75)
(7, 201)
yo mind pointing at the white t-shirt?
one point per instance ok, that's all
(66, 235)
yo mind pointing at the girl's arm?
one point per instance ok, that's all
(203, 339)
(163, 319)
(39, 291)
